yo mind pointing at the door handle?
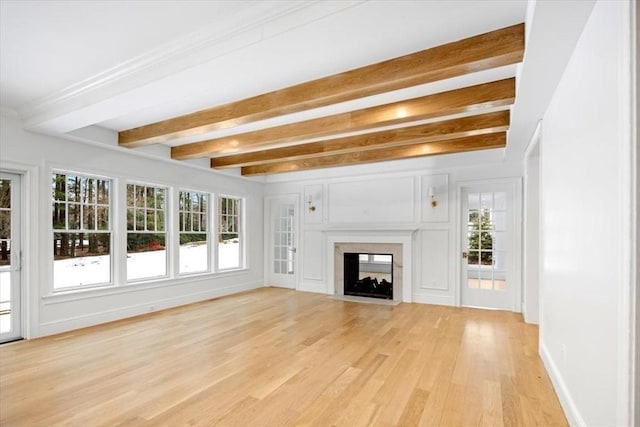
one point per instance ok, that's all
(292, 249)
(465, 255)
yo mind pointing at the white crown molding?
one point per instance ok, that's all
(262, 20)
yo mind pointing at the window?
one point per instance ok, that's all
(375, 258)
(146, 234)
(486, 234)
(229, 233)
(81, 230)
(194, 238)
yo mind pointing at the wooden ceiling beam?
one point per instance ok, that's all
(489, 50)
(482, 96)
(450, 146)
(454, 128)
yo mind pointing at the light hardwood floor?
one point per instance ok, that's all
(275, 357)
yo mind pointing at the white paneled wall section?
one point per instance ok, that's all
(389, 201)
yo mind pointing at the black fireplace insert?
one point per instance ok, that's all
(368, 275)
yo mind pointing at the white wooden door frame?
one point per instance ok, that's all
(14, 268)
(268, 241)
(516, 184)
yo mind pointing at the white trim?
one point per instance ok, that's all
(434, 299)
(262, 21)
(82, 321)
(568, 404)
(94, 292)
(634, 397)
(318, 287)
(156, 158)
(626, 173)
(29, 229)
(534, 144)
(181, 50)
(16, 282)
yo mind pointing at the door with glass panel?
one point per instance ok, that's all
(284, 235)
(487, 247)
(10, 258)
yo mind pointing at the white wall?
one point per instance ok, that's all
(531, 266)
(384, 197)
(47, 313)
(586, 187)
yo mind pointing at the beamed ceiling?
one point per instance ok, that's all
(468, 118)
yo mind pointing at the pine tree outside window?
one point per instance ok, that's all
(229, 233)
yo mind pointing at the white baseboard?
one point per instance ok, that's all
(315, 287)
(71, 323)
(434, 299)
(566, 401)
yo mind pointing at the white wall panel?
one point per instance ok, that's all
(434, 260)
(312, 257)
(372, 202)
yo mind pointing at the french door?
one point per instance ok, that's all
(283, 243)
(488, 249)
(10, 257)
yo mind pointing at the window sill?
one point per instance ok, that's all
(111, 289)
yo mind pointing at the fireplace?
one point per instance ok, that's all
(398, 243)
(368, 275)
(383, 250)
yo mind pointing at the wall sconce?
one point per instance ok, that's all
(432, 195)
(310, 205)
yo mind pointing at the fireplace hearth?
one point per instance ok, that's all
(368, 275)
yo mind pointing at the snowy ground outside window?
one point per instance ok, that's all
(90, 270)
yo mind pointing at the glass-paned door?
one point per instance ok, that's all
(10, 254)
(284, 235)
(487, 236)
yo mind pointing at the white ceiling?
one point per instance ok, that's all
(65, 65)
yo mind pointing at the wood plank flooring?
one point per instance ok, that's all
(275, 357)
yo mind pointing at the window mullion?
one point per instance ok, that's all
(172, 231)
(118, 225)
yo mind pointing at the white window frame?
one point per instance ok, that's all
(210, 205)
(241, 232)
(112, 250)
(167, 227)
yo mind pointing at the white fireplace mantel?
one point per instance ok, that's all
(402, 236)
